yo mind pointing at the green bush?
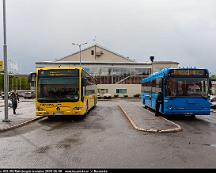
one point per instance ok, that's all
(116, 95)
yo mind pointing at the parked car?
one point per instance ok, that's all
(213, 102)
(29, 95)
(98, 96)
(107, 96)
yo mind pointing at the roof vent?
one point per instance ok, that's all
(99, 53)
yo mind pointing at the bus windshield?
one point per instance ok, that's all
(187, 87)
(58, 89)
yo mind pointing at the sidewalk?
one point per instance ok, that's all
(144, 120)
(25, 114)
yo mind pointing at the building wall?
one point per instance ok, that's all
(213, 89)
(132, 89)
(159, 66)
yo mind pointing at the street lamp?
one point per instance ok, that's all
(152, 60)
(5, 65)
(75, 44)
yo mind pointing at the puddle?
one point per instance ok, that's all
(42, 149)
(211, 145)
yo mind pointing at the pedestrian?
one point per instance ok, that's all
(16, 93)
(158, 103)
(14, 100)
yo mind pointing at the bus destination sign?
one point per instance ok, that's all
(57, 73)
(188, 72)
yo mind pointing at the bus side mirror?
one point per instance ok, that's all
(31, 76)
(84, 81)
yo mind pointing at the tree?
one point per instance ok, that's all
(1, 82)
(213, 77)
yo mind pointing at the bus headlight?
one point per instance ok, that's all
(172, 107)
(40, 109)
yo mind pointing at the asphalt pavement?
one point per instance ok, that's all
(142, 120)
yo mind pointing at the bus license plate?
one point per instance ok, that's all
(58, 113)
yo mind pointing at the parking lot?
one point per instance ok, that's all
(106, 139)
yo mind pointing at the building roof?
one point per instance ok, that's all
(126, 58)
(165, 62)
(90, 62)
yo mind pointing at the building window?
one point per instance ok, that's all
(121, 91)
(92, 52)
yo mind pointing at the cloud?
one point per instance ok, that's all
(183, 31)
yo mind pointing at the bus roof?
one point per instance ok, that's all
(164, 72)
(63, 68)
(58, 68)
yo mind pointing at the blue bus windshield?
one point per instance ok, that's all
(187, 87)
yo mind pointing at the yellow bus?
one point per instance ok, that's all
(64, 91)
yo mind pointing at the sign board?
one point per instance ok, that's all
(189, 72)
(1, 65)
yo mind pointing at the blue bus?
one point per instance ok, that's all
(184, 91)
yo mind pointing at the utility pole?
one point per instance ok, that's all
(12, 84)
(95, 46)
(20, 83)
(152, 60)
(5, 66)
(79, 50)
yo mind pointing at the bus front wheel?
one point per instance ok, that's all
(193, 116)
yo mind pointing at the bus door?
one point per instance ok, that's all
(147, 94)
(163, 86)
(151, 95)
(83, 88)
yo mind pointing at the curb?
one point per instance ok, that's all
(152, 130)
(19, 125)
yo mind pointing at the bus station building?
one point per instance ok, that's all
(117, 75)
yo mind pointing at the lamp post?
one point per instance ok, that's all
(5, 65)
(75, 44)
(152, 60)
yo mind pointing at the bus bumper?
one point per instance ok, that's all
(187, 112)
(71, 113)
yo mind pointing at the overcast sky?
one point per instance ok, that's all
(174, 30)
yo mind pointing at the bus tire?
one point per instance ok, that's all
(193, 116)
(94, 102)
(50, 117)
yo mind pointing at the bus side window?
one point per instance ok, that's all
(171, 90)
(83, 88)
(84, 81)
(153, 85)
(158, 85)
(170, 87)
